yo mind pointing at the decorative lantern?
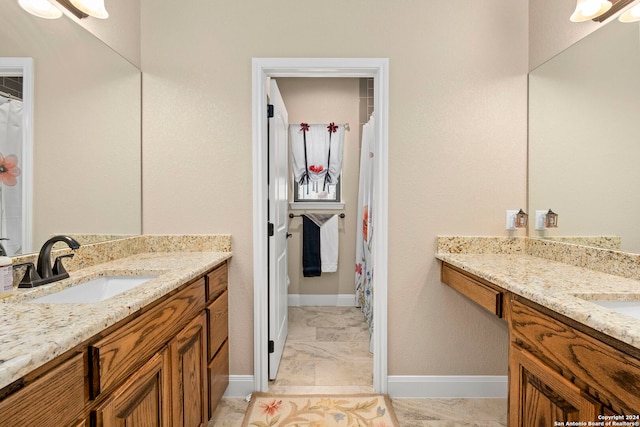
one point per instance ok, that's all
(521, 219)
(551, 219)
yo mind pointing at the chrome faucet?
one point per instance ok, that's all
(44, 273)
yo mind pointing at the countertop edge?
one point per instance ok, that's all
(558, 287)
(62, 327)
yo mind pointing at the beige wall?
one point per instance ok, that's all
(325, 100)
(457, 145)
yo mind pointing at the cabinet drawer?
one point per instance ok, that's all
(217, 282)
(218, 320)
(472, 288)
(606, 373)
(116, 356)
(218, 370)
(60, 391)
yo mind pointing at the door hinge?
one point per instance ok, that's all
(270, 229)
(270, 110)
(272, 347)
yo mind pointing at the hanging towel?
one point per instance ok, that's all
(329, 245)
(328, 224)
(311, 261)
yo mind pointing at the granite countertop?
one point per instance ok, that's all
(563, 288)
(33, 334)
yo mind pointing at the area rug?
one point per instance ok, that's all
(319, 410)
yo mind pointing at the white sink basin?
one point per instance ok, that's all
(94, 290)
(630, 308)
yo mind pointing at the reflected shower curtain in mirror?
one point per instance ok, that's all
(365, 228)
(10, 183)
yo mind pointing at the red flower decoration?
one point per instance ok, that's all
(272, 407)
(9, 170)
(365, 224)
(316, 169)
(359, 268)
(304, 127)
(332, 127)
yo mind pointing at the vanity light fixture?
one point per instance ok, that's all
(93, 8)
(551, 219)
(631, 15)
(41, 8)
(590, 9)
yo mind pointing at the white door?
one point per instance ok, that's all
(278, 201)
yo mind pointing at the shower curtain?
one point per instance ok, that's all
(10, 183)
(364, 233)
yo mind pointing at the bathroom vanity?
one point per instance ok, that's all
(570, 359)
(154, 355)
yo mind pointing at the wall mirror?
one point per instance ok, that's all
(584, 141)
(86, 149)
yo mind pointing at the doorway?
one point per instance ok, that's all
(318, 67)
(328, 342)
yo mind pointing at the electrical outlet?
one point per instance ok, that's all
(511, 219)
(540, 219)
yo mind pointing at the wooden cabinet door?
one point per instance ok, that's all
(218, 372)
(120, 352)
(188, 374)
(143, 400)
(538, 396)
(218, 315)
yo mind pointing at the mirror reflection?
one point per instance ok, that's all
(584, 147)
(86, 166)
(16, 143)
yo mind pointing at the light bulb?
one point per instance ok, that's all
(631, 15)
(589, 9)
(93, 8)
(40, 8)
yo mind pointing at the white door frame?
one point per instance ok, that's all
(378, 69)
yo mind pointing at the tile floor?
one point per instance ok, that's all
(327, 351)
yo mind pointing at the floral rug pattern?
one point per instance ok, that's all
(359, 410)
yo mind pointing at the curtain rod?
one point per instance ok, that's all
(346, 126)
(292, 215)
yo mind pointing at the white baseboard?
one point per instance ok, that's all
(448, 386)
(240, 386)
(401, 386)
(334, 300)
